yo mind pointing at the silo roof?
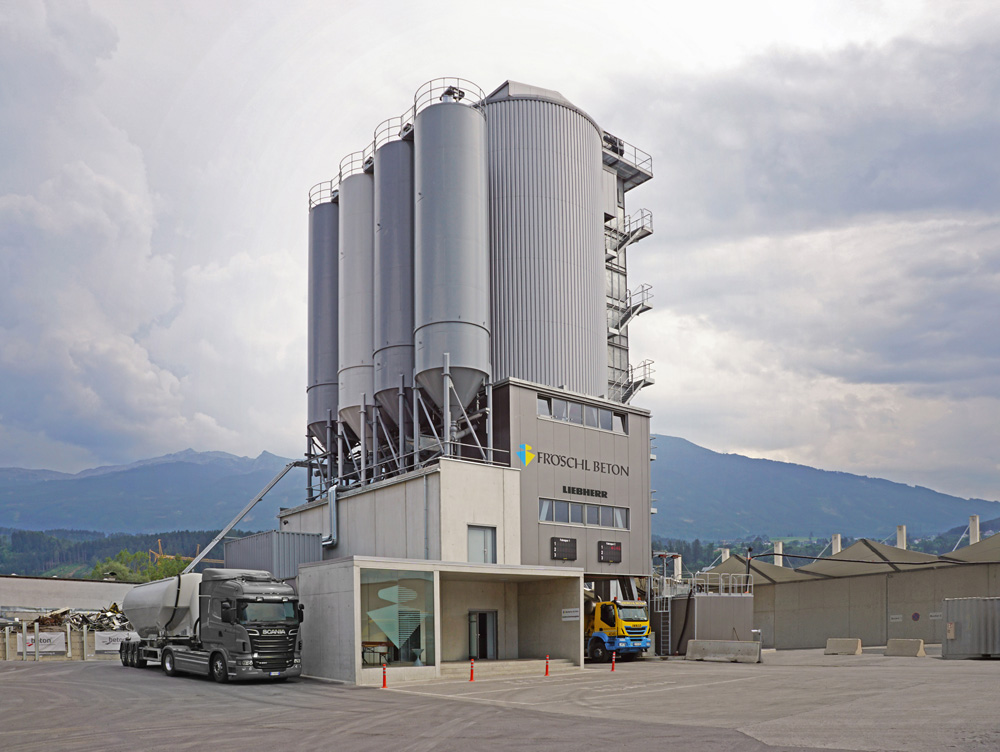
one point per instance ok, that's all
(517, 90)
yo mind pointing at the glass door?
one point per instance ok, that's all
(483, 635)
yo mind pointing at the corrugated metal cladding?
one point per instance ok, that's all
(451, 263)
(274, 551)
(547, 252)
(393, 274)
(973, 628)
(321, 389)
(356, 304)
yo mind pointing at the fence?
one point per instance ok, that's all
(29, 643)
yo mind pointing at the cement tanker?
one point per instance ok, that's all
(226, 623)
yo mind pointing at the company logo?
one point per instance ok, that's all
(273, 631)
(526, 454)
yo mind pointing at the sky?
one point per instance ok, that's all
(826, 204)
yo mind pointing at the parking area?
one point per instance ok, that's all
(795, 700)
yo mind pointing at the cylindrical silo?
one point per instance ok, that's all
(547, 241)
(393, 342)
(356, 310)
(451, 250)
(323, 372)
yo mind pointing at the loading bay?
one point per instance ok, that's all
(794, 700)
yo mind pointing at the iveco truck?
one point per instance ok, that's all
(223, 623)
(615, 626)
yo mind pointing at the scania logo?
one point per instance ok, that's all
(273, 631)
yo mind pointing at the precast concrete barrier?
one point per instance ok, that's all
(723, 651)
(906, 648)
(843, 646)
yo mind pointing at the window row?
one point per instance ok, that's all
(582, 415)
(574, 513)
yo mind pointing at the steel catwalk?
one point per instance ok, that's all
(393, 344)
(356, 309)
(452, 282)
(323, 375)
(549, 313)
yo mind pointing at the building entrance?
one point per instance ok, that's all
(483, 635)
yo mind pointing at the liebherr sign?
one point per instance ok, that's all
(573, 463)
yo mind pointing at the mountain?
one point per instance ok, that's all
(700, 494)
(704, 494)
(186, 490)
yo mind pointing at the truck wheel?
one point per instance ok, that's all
(122, 647)
(219, 670)
(130, 655)
(140, 661)
(599, 652)
(167, 663)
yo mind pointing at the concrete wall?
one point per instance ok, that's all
(540, 480)
(874, 608)
(49, 593)
(473, 494)
(458, 598)
(331, 632)
(421, 516)
(541, 630)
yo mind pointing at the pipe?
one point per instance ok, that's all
(401, 400)
(489, 422)
(427, 516)
(334, 537)
(446, 405)
(364, 437)
(309, 468)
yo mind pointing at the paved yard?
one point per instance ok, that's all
(796, 700)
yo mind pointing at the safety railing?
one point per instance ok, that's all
(393, 129)
(447, 90)
(324, 192)
(723, 583)
(628, 152)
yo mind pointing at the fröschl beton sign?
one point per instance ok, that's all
(527, 455)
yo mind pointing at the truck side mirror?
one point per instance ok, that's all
(302, 613)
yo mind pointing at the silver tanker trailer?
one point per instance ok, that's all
(227, 623)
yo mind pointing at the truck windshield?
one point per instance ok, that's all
(632, 613)
(266, 611)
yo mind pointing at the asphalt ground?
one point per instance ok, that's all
(795, 700)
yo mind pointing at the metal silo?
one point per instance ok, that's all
(356, 309)
(452, 276)
(393, 343)
(547, 240)
(323, 377)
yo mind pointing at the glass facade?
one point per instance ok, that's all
(397, 617)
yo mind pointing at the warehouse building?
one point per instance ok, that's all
(474, 454)
(868, 591)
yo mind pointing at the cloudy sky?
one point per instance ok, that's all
(826, 260)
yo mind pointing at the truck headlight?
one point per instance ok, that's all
(298, 660)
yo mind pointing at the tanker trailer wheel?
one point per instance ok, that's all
(599, 652)
(219, 670)
(167, 663)
(122, 647)
(140, 662)
(130, 655)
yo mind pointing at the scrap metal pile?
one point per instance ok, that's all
(110, 619)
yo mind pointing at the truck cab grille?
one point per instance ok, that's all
(273, 652)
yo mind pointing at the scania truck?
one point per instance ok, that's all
(223, 623)
(615, 626)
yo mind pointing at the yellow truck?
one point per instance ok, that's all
(615, 626)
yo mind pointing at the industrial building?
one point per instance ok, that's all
(474, 456)
(868, 591)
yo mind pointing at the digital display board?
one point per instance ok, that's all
(609, 552)
(564, 549)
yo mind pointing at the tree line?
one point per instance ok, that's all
(30, 552)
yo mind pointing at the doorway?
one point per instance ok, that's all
(483, 635)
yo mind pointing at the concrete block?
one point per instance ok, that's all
(723, 651)
(843, 646)
(907, 648)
